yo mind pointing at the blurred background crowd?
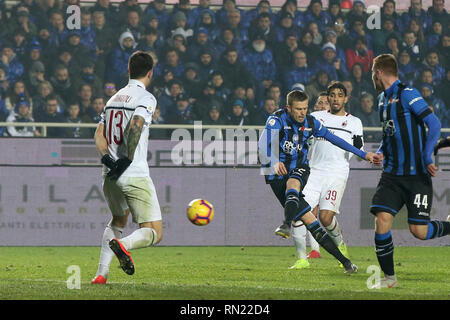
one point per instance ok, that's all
(222, 65)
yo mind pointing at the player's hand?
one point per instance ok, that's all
(108, 161)
(378, 159)
(119, 167)
(370, 157)
(280, 169)
(432, 169)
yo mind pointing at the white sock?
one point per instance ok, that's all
(299, 237)
(140, 238)
(313, 243)
(335, 232)
(106, 253)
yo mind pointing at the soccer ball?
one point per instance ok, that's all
(200, 212)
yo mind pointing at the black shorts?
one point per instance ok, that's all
(416, 192)
(279, 189)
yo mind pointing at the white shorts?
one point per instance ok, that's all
(136, 193)
(325, 191)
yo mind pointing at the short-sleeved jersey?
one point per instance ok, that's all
(290, 138)
(401, 110)
(325, 156)
(133, 99)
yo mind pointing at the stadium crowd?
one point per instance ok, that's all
(227, 65)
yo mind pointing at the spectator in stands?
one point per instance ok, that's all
(380, 36)
(21, 22)
(221, 90)
(285, 26)
(207, 98)
(436, 104)
(58, 31)
(233, 70)
(197, 12)
(300, 71)
(17, 92)
(179, 24)
(313, 28)
(43, 37)
(223, 14)
(118, 60)
(206, 65)
(110, 11)
(4, 83)
(331, 64)
(406, 69)
(201, 42)
(431, 62)
(39, 100)
(226, 40)
(415, 11)
(73, 116)
(94, 113)
(87, 31)
(173, 63)
(316, 86)
(167, 100)
(88, 76)
(343, 39)
(62, 84)
(158, 8)
(133, 24)
(245, 95)
(263, 7)
(331, 36)
(414, 26)
(425, 77)
(360, 54)
(214, 116)
(4, 26)
(438, 12)
(284, 52)
(185, 7)
(314, 12)
(65, 58)
(127, 6)
(334, 11)
(109, 89)
(410, 44)
(259, 61)
(84, 95)
(259, 117)
(263, 24)
(78, 50)
(21, 113)
(306, 44)
(151, 42)
(33, 55)
(104, 39)
(358, 29)
(238, 115)
(360, 81)
(275, 93)
(290, 6)
(369, 117)
(434, 35)
(207, 21)
(182, 112)
(444, 50)
(357, 12)
(179, 42)
(388, 10)
(191, 81)
(392, 45)
(20, 44)
(234, 23)
(14, 68)
(35, 77)
(51, 114)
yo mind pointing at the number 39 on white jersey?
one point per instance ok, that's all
(131, 100)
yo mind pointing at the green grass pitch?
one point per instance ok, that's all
(210, 273)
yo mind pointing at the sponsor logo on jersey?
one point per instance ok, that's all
(305, 129)
(272, 122)
(295, 138)
(425, 214)
(344, 124)
(122, 98)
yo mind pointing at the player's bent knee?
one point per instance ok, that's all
(419, 231)
(326, 217)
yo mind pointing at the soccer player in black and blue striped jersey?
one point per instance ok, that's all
(405, 153)
(283, 151)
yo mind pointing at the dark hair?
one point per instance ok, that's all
(51, 96)
(296, 95)
(336, 85)
(323, 94)
(139, 64)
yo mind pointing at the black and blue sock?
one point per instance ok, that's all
(291, 205)
(384, 248)
(437, 229)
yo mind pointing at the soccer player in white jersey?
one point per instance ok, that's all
(329, 171)
(121, 139)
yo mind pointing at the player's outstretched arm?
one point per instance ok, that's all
(345, 145)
